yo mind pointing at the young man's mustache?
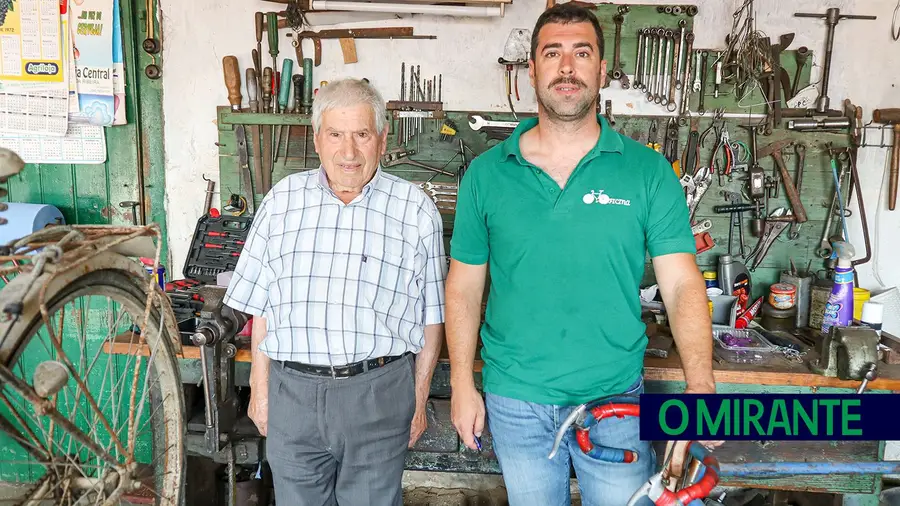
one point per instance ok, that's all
(567, 80)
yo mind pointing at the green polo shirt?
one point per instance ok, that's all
(563, 313)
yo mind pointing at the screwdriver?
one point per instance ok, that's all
(258, 18)
(284, 91)
(232, 81)
(272, 19)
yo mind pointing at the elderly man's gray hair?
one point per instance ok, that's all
(348, 93)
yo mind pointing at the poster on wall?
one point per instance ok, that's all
(118, 51)
(82, 144)
(31, 41)
(92, 26)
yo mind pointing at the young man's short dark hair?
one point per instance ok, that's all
(565, 14)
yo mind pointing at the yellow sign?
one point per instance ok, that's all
(31, 41)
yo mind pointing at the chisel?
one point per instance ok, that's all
(284, 91)
(258, 19)
(253, 93)
(272, 19)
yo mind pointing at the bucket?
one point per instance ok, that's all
(860, 296)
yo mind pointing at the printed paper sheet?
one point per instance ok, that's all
(81, 144)
(31, 45)
(91, 23)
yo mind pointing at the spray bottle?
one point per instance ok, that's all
(839, 308)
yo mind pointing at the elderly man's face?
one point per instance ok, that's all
(349, 147)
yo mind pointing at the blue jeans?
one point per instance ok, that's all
(522, 434)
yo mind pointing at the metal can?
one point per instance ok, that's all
(819, 294)
(782, 295)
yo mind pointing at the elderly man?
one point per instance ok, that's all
(343, 270)
(565, 211)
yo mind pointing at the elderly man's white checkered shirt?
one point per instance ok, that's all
(342, 283)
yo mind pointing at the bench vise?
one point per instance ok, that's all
(848, 353)
(216, 330)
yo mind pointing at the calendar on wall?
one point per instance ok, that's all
(82, 144)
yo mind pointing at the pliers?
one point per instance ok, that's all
(586, 416)
(692, 495)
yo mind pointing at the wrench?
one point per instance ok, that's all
(675, 64)
(477, 122)
(679, 48)
(688, 62)
(704, 63)
(433, 186)
(824, 250)
(697, 68)
(800, 150)
(617, 74)
(663, 99)
(639, 68)
(435, 193)
(701, 227)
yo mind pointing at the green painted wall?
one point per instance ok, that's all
(91, 194)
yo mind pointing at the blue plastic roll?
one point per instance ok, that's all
(24, 219)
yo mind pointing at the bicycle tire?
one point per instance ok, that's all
(129, 291)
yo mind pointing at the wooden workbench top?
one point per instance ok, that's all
(778, 372)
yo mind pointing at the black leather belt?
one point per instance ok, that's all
(344, 371)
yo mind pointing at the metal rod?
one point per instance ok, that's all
(769, 469)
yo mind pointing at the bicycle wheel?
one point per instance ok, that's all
(120, 439)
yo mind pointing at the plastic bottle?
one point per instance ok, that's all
(734, 279)
(839, 308)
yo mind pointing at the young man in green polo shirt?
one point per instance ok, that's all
(564, 212)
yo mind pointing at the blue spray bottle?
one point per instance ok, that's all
(839, 308)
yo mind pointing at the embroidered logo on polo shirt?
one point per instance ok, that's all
(601, 198)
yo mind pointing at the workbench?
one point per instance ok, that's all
(440, 449)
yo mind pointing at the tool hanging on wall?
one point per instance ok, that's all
(891, 117)
(515, 55)
(151, 44)
(419, 101)
(347, 38)
(832, 16)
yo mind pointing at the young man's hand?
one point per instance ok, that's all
(467, 413)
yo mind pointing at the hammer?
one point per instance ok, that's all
(891, 117)
(798, 213)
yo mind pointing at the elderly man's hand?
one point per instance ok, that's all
(419, 424)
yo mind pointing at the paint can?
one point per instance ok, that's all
(803, 286)
(782, 295)
(819, 294)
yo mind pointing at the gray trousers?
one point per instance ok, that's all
(340, 441)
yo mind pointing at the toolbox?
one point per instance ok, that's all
(216, 246)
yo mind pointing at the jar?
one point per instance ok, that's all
(711, 279)
(782, 295)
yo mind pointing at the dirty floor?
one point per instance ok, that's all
(430, 496)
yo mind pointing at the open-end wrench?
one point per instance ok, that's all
(617, 74)
(477, 122)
